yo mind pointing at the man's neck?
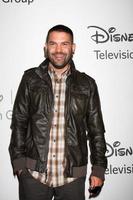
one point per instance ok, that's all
(59, 72)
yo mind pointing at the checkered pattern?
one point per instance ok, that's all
(56, 156)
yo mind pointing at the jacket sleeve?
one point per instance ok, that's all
(19, 126)
(96, 131)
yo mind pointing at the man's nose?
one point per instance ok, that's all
(58, 48)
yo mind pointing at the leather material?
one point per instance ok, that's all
(32, 119)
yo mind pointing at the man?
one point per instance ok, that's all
(56, 110)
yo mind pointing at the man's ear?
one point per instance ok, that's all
(45, 51)
(73, 48)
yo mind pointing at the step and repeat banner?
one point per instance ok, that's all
(103, 33)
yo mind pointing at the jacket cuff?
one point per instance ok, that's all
(98, 171)
(18, 164)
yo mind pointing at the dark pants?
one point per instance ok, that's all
(32, 189)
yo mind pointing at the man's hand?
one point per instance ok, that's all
(95, 186)
(95, 181)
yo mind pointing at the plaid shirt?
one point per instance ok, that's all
(56, 156)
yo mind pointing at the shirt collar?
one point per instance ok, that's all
(52, 72)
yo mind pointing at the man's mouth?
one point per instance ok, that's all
(59, 56)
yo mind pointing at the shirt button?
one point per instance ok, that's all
(57, 81)
(53, 156)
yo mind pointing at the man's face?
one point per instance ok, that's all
(59, 49)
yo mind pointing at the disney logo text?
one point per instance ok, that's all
(101, 36)
(117, 151)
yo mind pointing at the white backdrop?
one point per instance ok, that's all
(104, 36)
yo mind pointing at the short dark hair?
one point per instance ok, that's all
(60, 28)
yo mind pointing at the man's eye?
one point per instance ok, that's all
(65, 43)
(51, 43)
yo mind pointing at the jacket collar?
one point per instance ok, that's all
(42, 70)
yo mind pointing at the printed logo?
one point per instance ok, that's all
(100, 35)
(4, 112)
(116, 150)
(1, 97)
(28, 2)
